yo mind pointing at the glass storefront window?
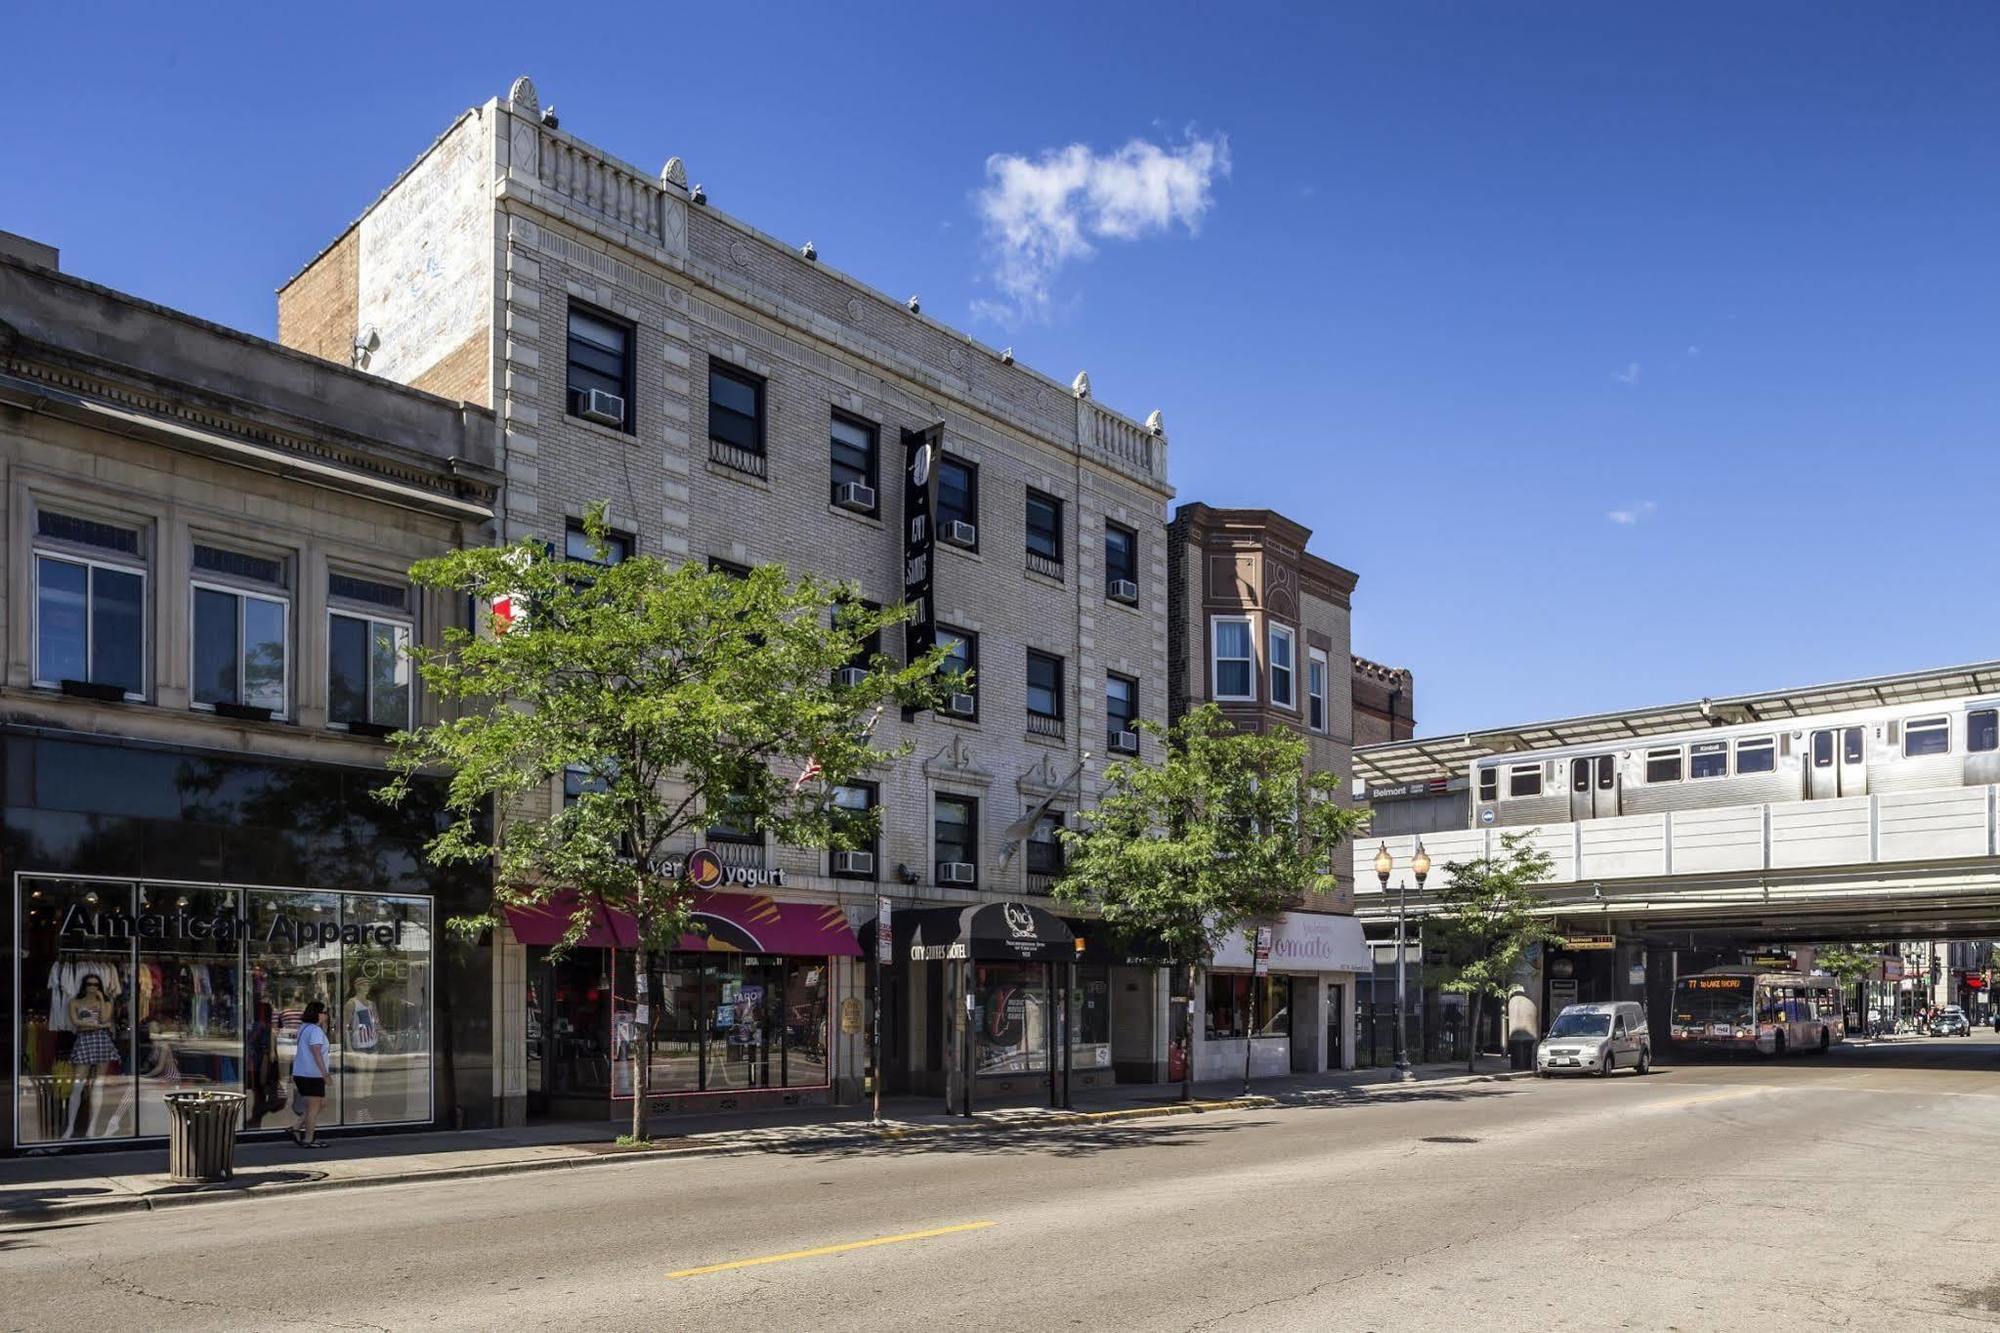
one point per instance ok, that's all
(725, 1022)
(1229, 1005)
(133, 990)
(187, 1001)
(1011, 1006)
(384, 1011)
(1090, 1003)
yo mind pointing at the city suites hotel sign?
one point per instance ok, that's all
(922, 448)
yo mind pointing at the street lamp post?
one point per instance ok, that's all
(1421, 868)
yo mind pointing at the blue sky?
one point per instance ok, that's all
(1630, 353)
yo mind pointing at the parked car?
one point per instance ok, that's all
(1596, 1039)
(1951, 1022)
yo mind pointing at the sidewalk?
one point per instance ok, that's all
(36, 1188)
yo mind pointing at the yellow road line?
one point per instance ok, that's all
(831, 1249)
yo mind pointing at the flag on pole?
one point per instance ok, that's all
(1018, 831)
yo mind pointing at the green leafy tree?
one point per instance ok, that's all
(1226, 830)
(1488, 920)
(684, 697)
(1851, 965)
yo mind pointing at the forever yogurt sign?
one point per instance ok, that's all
(705, 870)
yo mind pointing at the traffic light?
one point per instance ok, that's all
(1937, 969)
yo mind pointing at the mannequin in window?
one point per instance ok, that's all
(90, 1017)
(362, 1031)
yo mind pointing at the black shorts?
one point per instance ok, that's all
(309, 1087)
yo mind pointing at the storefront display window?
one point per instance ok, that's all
(1011, 1006)
(724, 1022)
(1229, 1005)
(1090, 1003)
(130, 991)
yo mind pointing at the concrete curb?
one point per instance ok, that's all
(144, 1203)
(228, 1193)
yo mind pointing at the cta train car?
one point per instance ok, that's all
(1908, 747)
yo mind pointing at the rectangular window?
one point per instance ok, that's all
(1822, 749)
(1982, 730)
(1227, 1013)
(578, 546)
(1045, 685)
(1663, 765)
(1234, 668)
(1121, 560)
(600, 369)
(1045, 552)
(962, 660)
(728, 822)
(1283, 667)
(1926, 735)
(853, 463)
(1121, 704)
(1850, 745)
(368, 672)
(1045, 849)
(241, 639)
(1236, 1001)
(735, 408)
(1524, 780)
(1757, 755)
(957, 496)
(1489, 784)
(1316, 689)
(581, 778)
(853, 803)
(955, 829)
(1708, 759)
(90, 610)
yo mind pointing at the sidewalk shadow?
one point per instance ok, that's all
(1011, 1141)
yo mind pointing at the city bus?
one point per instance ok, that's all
(1743, 1009)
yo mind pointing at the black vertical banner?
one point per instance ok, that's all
(920, 537)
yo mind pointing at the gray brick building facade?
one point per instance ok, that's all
(471, 272)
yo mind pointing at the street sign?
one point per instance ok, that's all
(885, 942)
(1262, 965)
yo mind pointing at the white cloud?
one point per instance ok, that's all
(1632, 515)
(1629, 375)
(1694, 349)
(1044, 213)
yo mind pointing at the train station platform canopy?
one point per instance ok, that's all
(1427, 759)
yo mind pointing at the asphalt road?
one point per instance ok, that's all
(1856, 1191)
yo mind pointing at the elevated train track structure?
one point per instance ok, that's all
(1859, 810)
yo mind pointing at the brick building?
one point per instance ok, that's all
(1259, 626)
(203, 599)
(739, 402)
(1384, 703)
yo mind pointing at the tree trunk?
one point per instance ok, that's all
(1187, 1039)
(642, 1042)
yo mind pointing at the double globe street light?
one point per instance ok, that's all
(1420, 866)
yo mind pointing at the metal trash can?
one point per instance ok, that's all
(1522, 1052)
(201, 1134)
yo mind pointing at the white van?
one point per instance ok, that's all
(1596, 1039)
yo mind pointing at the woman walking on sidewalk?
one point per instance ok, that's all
(309, 1066)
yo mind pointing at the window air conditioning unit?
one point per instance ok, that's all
(599, 406)
(960, 533)
(855, 495)
(1122, 590)
(1125, 742)
(955, 872)
(854, 863)
(964, 705)
(850, 675)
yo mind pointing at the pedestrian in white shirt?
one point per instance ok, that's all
(309, 1067)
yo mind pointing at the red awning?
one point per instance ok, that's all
(724, 922)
